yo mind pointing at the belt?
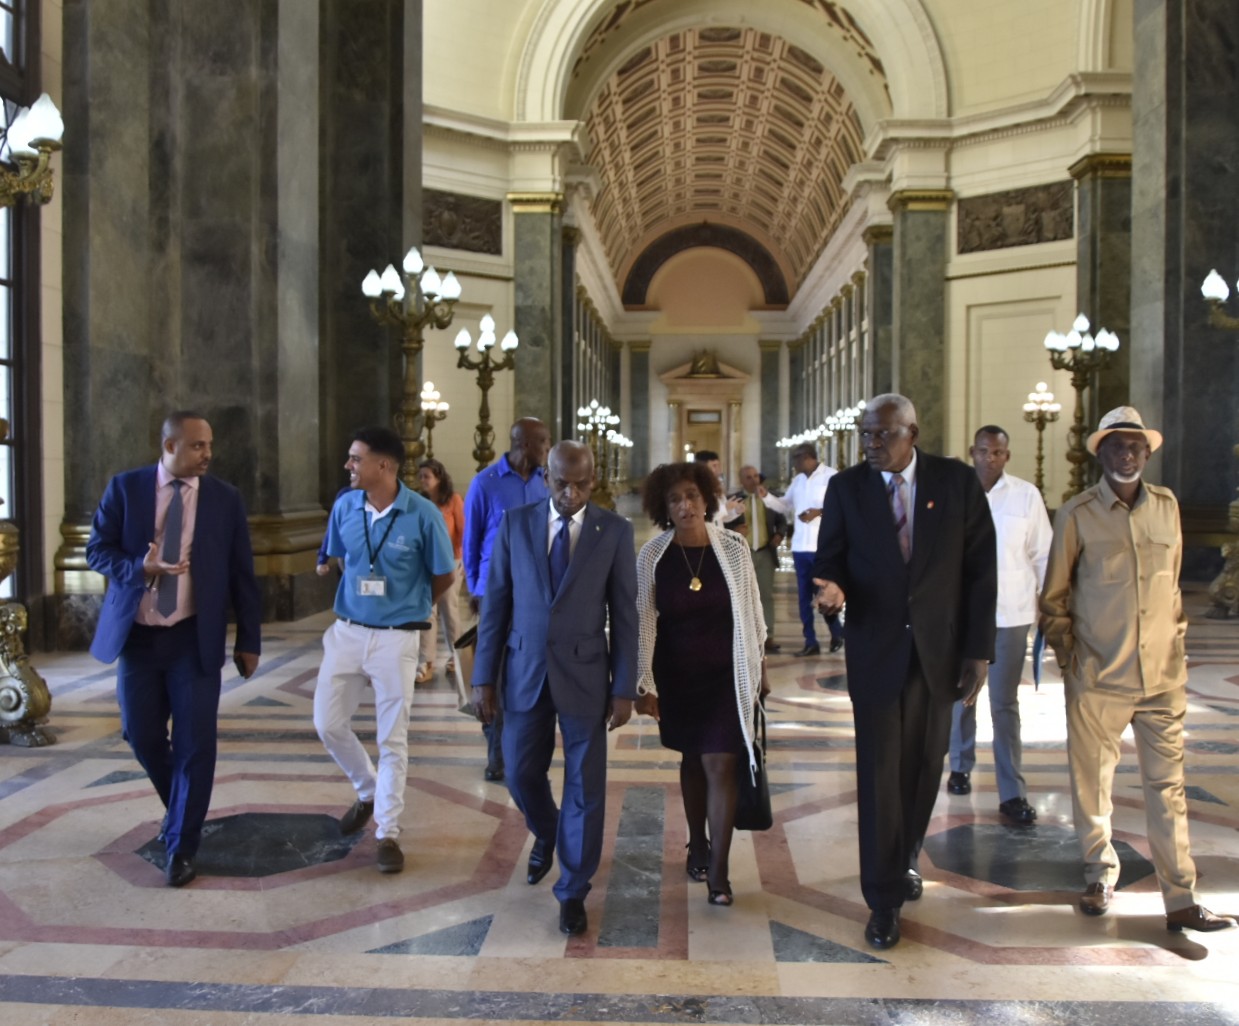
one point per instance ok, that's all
(416, 625)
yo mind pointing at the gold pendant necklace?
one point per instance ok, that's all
(695, 583)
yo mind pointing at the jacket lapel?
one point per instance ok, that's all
(591, 531)
(146, 506)
(535, 528)
(877, 510)
(925, 516)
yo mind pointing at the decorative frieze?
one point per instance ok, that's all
(1019, 217)
(469, 223)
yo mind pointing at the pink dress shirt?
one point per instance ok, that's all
(147, 613)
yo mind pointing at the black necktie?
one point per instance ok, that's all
(561, 550)
(165, 598)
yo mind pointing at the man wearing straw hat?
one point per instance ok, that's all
(1112, 611)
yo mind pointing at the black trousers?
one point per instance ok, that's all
(900, 749)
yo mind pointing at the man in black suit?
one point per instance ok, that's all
(908, 540)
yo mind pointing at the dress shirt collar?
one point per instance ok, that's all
(163, 477)
(577, 518)
(908, 474)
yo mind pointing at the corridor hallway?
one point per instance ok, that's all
(289, 923)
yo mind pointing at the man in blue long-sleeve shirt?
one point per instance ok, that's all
(517, 478)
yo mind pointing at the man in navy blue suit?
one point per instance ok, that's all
(174, 545)
(557, 570)
(908, 540)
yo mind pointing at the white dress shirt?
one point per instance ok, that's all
(803, 493)
(554, 525)
(909, 479)
(1024, 536)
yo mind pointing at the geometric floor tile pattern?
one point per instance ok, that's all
(290, 923)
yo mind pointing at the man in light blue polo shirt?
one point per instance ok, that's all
(398, 560)
(517, 478)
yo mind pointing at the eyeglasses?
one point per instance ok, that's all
(882, 435)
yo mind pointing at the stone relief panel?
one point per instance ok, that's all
(1020, 217)
(462, 222)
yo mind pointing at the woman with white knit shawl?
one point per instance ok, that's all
(700, 659)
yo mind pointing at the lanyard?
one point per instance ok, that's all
(373, 552)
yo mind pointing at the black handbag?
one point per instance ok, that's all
(753, 788)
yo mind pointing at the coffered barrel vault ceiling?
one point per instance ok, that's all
(724, 125)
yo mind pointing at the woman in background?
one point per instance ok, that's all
(437, 487)
(700, 660)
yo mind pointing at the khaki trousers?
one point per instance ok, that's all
(1095, 724)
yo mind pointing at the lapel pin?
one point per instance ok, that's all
(929, 504)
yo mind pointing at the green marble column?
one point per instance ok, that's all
(880, 293)
(1184, 371)
(1103, 264)
(919, 254)
(538, 253)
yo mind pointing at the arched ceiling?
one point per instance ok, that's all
(727, 125)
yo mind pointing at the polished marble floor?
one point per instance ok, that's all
(289, 923)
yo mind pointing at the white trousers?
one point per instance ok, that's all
(387, 660)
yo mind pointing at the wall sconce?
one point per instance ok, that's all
(31, 138)
(484, 436)
(428, 301)
(1216, 291)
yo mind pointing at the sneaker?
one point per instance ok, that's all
(391, 858)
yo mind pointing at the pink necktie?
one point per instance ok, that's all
(899, 509)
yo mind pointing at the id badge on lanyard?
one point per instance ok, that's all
(374, 585)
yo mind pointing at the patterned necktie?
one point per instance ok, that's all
(165, 598)
(899, 510)
(561, 550)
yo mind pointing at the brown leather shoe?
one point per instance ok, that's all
(1096, 899)
(1197, 917)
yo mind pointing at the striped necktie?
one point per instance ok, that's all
(165, 597)
(899, 510)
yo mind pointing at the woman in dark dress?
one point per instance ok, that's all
(700, 668)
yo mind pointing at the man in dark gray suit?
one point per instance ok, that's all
(557, 570)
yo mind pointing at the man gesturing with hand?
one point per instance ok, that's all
(908, 542)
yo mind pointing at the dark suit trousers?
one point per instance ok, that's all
(160, 677)
(528, 746)
(900, 748)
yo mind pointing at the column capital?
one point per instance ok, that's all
(1101, 165)
(767, 345)
(536, 202)
(921, 200)
(878, 235)
(571, 234)
(639, 345)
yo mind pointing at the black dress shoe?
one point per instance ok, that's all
(836, 644)
(773, 646)
(808, 650)
(882, 930)
(541, 858)
(958, 783)
(572, 919)
(179, 870)
(1018, 811)
(492, 774)
(913, 885)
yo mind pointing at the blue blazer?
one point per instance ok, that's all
(940, 604)
(562, 638)
(221, 565)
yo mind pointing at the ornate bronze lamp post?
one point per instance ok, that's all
(1083, 355)
(434, 410)
(484, 436)
(1040, 410)
(596, 424)
(428, 301)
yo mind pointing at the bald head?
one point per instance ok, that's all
(570, 474)
(530, 441)
(750, 479)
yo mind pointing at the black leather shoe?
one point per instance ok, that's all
(179, 871)
(913, 885)
(572, 919)
(836, 644)
(1018, 811)
(808, 650)
(773, 647)
(882, 930)
(358, 816)
(493, 775)
(541, 858)
(958, 783)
